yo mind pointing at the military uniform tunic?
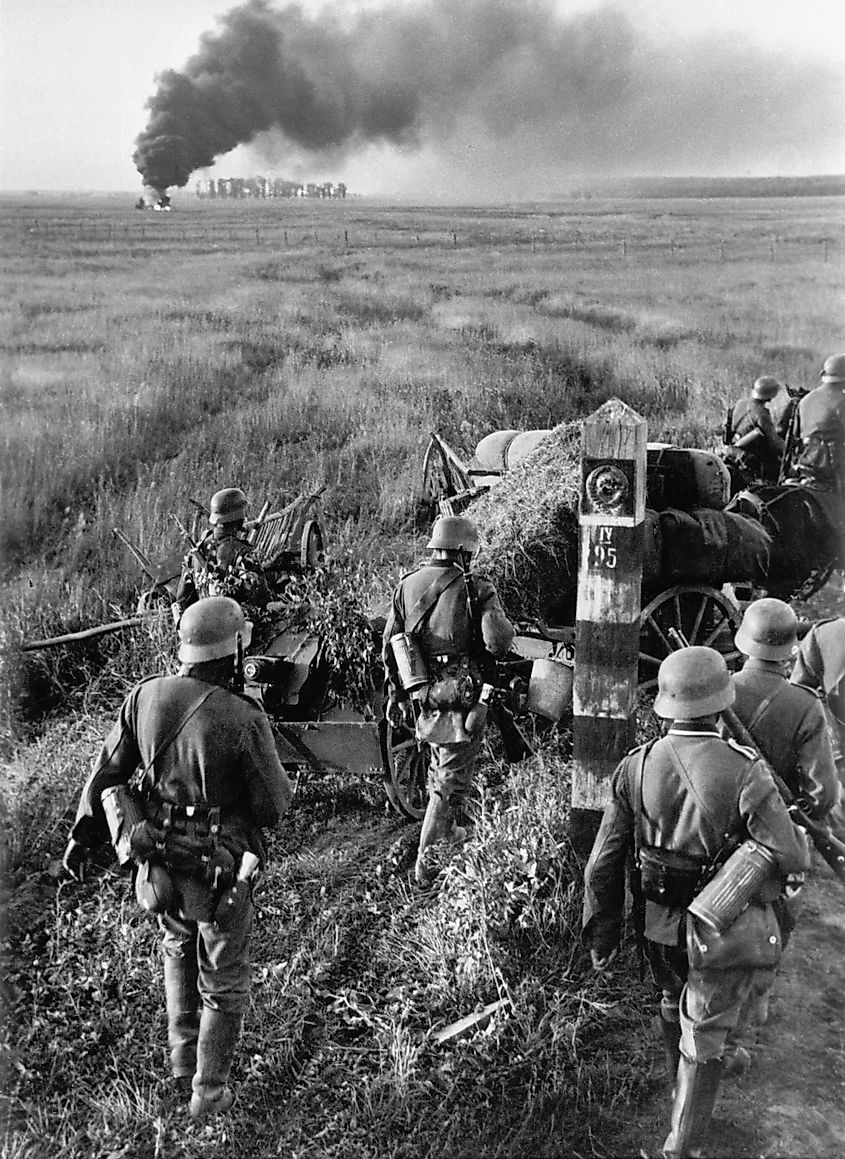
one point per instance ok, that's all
(820, 425)
(788, 725)
(224, 567)
(760, 455)
(820, 665)
(725, 788)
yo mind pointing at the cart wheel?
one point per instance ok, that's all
(703, 615)
(436, 477)
(405, 765)
(311, 548)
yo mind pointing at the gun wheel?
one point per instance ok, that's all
(703, 615)
(405, 765)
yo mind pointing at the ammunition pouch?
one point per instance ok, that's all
(669, 878)
(186, 840)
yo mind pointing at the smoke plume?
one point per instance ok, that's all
(583, 94)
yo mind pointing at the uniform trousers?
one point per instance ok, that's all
(708, 1004)
(203, 966)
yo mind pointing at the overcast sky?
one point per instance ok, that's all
(470, 98)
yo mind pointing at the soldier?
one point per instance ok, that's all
(456, 624)
(757, 445)
(786, 721)
(673, 802)
(820, 665)
(223, 563)
(203, 760)
(789, 729)
(820, 432)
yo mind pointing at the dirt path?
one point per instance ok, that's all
(790, 1103)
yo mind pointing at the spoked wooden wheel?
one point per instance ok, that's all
(405, 771)
(703, 615)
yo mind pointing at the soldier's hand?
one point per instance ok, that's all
(600, 964)
(400, 713)
(176, 613)
(74, 860)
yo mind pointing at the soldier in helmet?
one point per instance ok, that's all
(672, 803)
(757, 446)
(820, 665)
(223, 563)
(455, 623)
(786, 720)
(206, 778)
(820, 431)
(788, 726)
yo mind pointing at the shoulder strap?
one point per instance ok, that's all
(429, 598)
(192, 708)
(762, 708)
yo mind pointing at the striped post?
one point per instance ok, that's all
(610, 568)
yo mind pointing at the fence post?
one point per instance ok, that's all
(454, 241)
(610, 566)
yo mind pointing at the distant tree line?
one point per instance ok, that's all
(828, 186)
(268, 187)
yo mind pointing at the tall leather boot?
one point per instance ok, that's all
(218, 1038)
(670, 1032)
(437, 820)
(183, 1014)
(696, 1088)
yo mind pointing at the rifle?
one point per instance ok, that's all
(143, 560)
(728, 427)
(194, 546)
(831, 849)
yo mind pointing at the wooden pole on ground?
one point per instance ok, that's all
(86, 634)
(610, 567)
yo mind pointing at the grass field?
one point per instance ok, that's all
(150, 358)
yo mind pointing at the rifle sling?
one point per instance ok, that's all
(193, 708)
(429, 598)
(726, 836)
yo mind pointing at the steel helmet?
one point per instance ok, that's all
(765, 388)
(768, 631)
(693, 682)
(227, 506)
(209, 630)
(834, 369)
(454, 533)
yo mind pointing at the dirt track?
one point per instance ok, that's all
(790, 1103)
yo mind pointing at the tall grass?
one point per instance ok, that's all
(146, 362)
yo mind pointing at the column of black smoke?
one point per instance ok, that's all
(392, 75)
